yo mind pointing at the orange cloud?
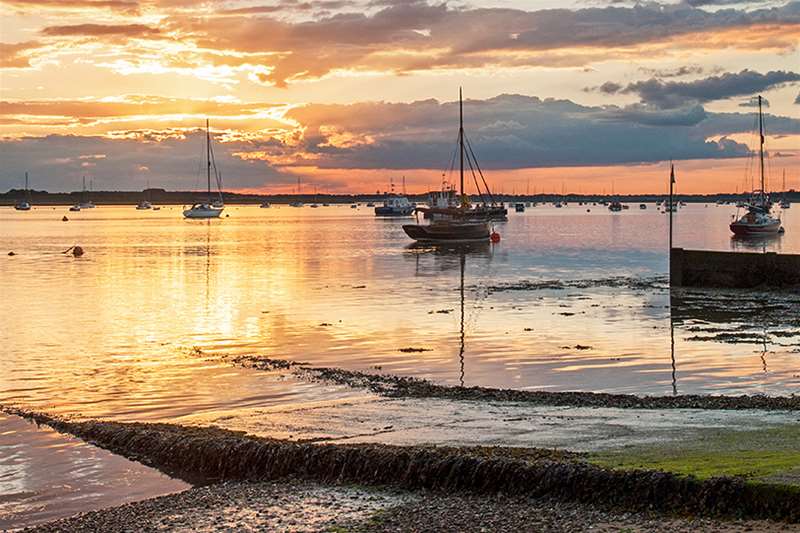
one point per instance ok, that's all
(100, 30)
(16, 55)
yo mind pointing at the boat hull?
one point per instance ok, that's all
(743, 229)
(448, 232)
(202, 213)
(22, 207)
(383, 211)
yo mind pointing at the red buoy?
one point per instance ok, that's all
(495, 237)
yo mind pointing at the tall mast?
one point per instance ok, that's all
(208, 160)
(761, 144)
(461, 140)
(671, 190)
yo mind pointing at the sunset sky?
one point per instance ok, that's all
(581, 95)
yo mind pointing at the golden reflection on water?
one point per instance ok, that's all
(118, 330)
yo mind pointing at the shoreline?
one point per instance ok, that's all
(215, 454)
(393, 386)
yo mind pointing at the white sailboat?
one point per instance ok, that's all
(145, 204)
(206, 209)
(24, 204)
(758, 220)
(785, 203)
(86, 202)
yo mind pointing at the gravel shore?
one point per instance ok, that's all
(471, 513)
(269, 506)
(291, 506)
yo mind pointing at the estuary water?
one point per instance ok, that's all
(567, 300)
(576, 298)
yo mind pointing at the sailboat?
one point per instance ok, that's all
(457, 223)
(299, 192)
(145, 203)
(785, 203)
(206, 209)
(24, 204)
(758, 220)
(86, 202)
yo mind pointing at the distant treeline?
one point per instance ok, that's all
(164, 197)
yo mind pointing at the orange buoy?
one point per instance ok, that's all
(495, 237)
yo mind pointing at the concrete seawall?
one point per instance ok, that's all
(697, 268)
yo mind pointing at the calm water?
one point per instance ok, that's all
(113, 333)
(136, 329)
(45, 475)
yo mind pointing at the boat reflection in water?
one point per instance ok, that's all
(757, 243)
(447, 257)
(763, 319)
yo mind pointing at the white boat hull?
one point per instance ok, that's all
(211, 212)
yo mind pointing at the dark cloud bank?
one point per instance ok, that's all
(507, 132)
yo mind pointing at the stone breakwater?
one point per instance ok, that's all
(410, 387)
(213, 454)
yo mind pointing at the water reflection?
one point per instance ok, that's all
(445, 256)
(763, 319)
(672, 353)
(757, 243)
(566, 301)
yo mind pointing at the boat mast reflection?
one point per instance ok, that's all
(444, 256)
(672, 351)
(462, 263)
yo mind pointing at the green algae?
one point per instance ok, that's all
(769, 455)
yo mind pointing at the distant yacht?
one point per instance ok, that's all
(24, 204)
(519, 207)
(265, 205)
(86, 202)
(758, 220)
(145, 204)
(395, 206)
(615, 206)
(206, 209)
(785, 203)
